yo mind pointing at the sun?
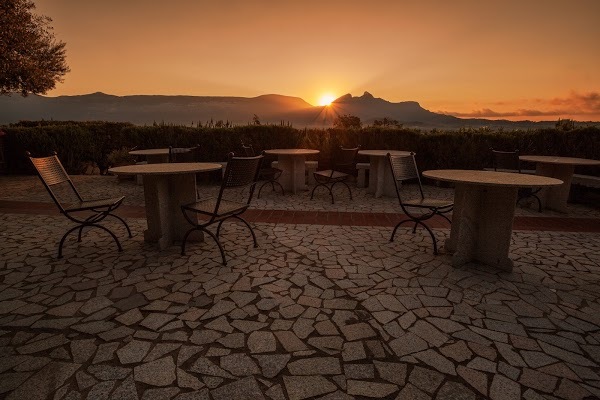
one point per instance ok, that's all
(326, 99)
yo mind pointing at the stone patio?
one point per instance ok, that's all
(328, 311)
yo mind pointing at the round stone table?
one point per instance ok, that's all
(381, 181)
(166, 187)
(555, 198)
(484, 208)
(292, 163)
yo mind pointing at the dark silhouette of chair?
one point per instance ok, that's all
(508, 161)
(183, 154)
(240, 172)
(267, 173)
(404, 167)
(343, 165)
(52, 173)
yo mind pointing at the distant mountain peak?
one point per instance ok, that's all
(367, 95)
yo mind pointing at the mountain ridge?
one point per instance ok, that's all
(269, 108)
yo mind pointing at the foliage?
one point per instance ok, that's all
(77, 143)
(565, 124)
(387, 123)
(120, 157)
(347, 121)
(31, 60)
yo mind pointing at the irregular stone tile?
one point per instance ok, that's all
(204, 336)
(359, 371)
(41, 345)
(290, 341)
(243, 389)
(408, 344)
(233, 341)
(410, 392)
(160, 394)
(11, 381)
(101, 390)
(126, 390)
(105, 352)
(391, 371)
(44, 382)
(271, 365)
(131, 317)
(108, 372)
(82, 350)
(358, 331)
(154, 321)
(304, 387)
(475, 378)
(370, 389)
(503, 388)
(239, 364)
(353, 351)
(261, 342)
(133, 352)
(204, 366)
(425, 379)
(315, 366)
(197, 395)
(437, 361)
(156, 373)
(538, 380)
(188, 381)
(84, 380)
(455, 391)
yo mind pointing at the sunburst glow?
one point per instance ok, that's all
(326, 99)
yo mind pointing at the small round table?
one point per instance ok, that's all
(292, 163)
(555, 198)
(484, 208)
(166, 187)
(381, 181)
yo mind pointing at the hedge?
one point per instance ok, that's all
(83, 142)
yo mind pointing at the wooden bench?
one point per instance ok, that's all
(361, 180)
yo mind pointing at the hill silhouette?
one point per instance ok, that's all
(270, 108)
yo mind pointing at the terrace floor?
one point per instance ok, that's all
(326, 307)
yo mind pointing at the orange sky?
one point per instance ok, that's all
(513, 59)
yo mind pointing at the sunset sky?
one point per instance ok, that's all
(513, 59)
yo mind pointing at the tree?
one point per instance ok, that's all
(31, 60)
(347, 121)
(387, 122)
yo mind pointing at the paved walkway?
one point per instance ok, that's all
(329, 310)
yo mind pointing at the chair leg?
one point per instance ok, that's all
(435, 250)
(187, 234)
(445, 217)
(396, 228)
(539, 203)
(80, 227)
(249, 227)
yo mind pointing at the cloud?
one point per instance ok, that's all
(575, 104)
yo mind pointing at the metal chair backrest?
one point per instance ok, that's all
(506, 160)
(344, 159)
(404, 167)
(239, 172)
(248, 150)
(51, 172)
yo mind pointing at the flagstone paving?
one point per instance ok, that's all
(316, 311)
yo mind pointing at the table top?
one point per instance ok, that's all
(559, 160)
(383, 153)
(292, 152)
(149, 152)
(491, 178)
(164, 168)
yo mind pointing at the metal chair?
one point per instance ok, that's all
(404, 167)
(52, 173)
(268, 174)
(508, 161)
(344, 162)
(240, 172)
